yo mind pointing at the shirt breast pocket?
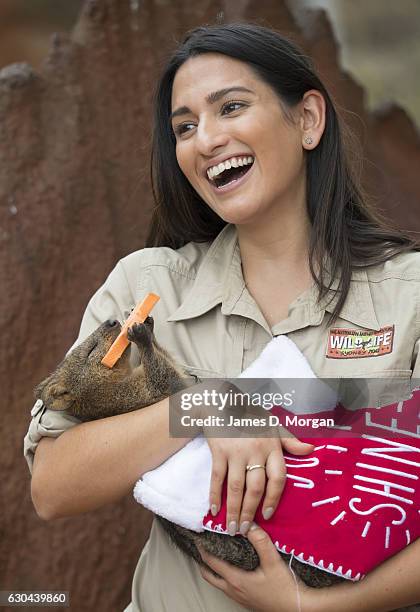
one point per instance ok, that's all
(380, 388)
(199, 374)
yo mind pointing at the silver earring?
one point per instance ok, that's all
(308, 140)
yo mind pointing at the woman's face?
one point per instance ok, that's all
(233, 142)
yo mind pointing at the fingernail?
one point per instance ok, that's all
(213, 509)
(232, 528)
(267, 513)
(253, 526)
(244, 527)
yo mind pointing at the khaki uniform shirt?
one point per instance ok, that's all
(212, 326)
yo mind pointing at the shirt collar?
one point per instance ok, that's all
(220, 280)
(358, 307)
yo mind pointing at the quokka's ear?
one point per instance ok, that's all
(54, 395)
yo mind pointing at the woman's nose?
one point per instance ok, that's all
(210, 136)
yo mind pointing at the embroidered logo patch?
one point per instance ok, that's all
(357, 343)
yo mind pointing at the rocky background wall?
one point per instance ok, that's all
(74, 198)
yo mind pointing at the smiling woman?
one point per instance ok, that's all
(259, 230)
(246, 134)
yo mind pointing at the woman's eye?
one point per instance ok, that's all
(183, 128)
(231, 107)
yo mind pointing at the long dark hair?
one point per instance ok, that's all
(345, 233)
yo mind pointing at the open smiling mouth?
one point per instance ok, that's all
(230, 171)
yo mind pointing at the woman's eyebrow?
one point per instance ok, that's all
(210, 99)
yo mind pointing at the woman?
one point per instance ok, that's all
(259, 230)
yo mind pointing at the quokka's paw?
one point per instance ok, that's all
(150, 323)
(141, 334)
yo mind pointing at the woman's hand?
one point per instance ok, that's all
(231, 456)
(269, 588)
(273, 588)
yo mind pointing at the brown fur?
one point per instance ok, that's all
(85, 388)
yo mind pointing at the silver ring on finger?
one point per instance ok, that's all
(249, 468)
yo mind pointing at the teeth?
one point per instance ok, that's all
(233, 162)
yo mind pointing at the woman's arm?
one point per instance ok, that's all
(96, 463)
(272, 587)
